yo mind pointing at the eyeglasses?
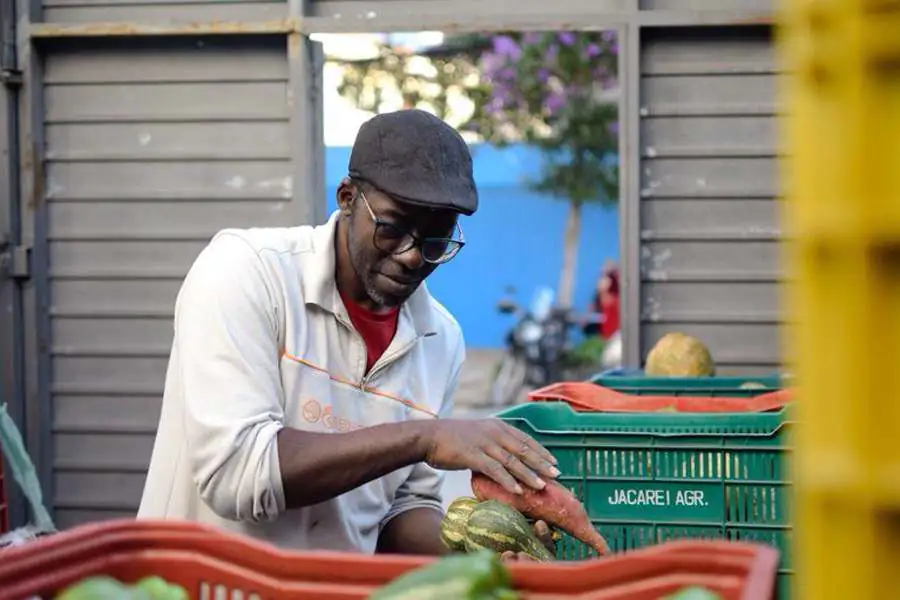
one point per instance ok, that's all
(389, 238)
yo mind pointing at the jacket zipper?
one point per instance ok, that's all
(382, 362)
(386, 360)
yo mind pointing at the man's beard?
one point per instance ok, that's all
(366, 276)
(377, 297)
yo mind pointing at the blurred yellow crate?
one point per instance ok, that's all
(842, 181)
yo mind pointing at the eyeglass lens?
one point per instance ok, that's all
(390, 238)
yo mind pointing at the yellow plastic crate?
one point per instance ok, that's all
(842, 182)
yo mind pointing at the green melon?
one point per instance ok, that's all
(501, 528)
(679, 355)
(453, 525)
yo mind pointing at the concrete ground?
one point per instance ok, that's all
(475, 379)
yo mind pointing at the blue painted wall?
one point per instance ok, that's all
(515, 238)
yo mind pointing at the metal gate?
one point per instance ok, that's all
(145, 128)
(147, 125)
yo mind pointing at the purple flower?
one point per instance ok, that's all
(500, 93)
(614, 48)
(566, 38)
(608, 36)
(614, 128)
(506, 74)
(531, 38)
(553, 102)
(550, 54)
(506, 46)
(495, 106)
(543, 75)
(593, 50)
(491, 63)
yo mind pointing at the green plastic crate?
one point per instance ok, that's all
(652, 477)
(729, 387)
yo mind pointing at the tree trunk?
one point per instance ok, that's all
(570, 256)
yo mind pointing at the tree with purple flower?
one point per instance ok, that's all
(553, 90)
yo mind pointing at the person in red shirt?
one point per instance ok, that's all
(608, 294)
(606, 305)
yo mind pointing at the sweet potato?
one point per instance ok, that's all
(555, 505)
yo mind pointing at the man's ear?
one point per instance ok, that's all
(346, 194)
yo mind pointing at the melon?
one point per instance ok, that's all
(496, 526)
(453, 525)
(679, 355)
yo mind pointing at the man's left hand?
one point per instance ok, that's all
(543, 533)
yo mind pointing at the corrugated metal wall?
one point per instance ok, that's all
(150, 148)
(708, 215)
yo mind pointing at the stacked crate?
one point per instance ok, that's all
(649, 477)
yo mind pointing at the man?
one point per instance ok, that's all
(310, 366)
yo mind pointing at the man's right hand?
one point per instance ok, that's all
(489, 446)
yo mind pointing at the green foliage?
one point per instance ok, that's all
(588, 353)
(550, 90)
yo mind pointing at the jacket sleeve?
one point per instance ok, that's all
(226, 354)
(423, 487)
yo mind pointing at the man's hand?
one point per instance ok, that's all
(544, 534)
(490, 446)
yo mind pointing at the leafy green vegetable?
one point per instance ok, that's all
(476, 576)
(694, 593)
(106, 588)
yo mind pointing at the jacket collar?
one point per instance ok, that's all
(319, 287)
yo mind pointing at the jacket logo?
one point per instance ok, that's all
(314, 412)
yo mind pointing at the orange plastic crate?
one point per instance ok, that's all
(211, 564)
(586, 396)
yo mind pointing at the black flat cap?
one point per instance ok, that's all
(416, 158)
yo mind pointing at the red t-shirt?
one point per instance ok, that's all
(377, 329)
(610, 310)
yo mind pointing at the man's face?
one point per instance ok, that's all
(390, 278)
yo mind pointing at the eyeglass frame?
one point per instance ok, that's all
(414, 240)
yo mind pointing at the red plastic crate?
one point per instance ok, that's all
(211, 564)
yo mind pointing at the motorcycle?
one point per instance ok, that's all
(534, 346)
